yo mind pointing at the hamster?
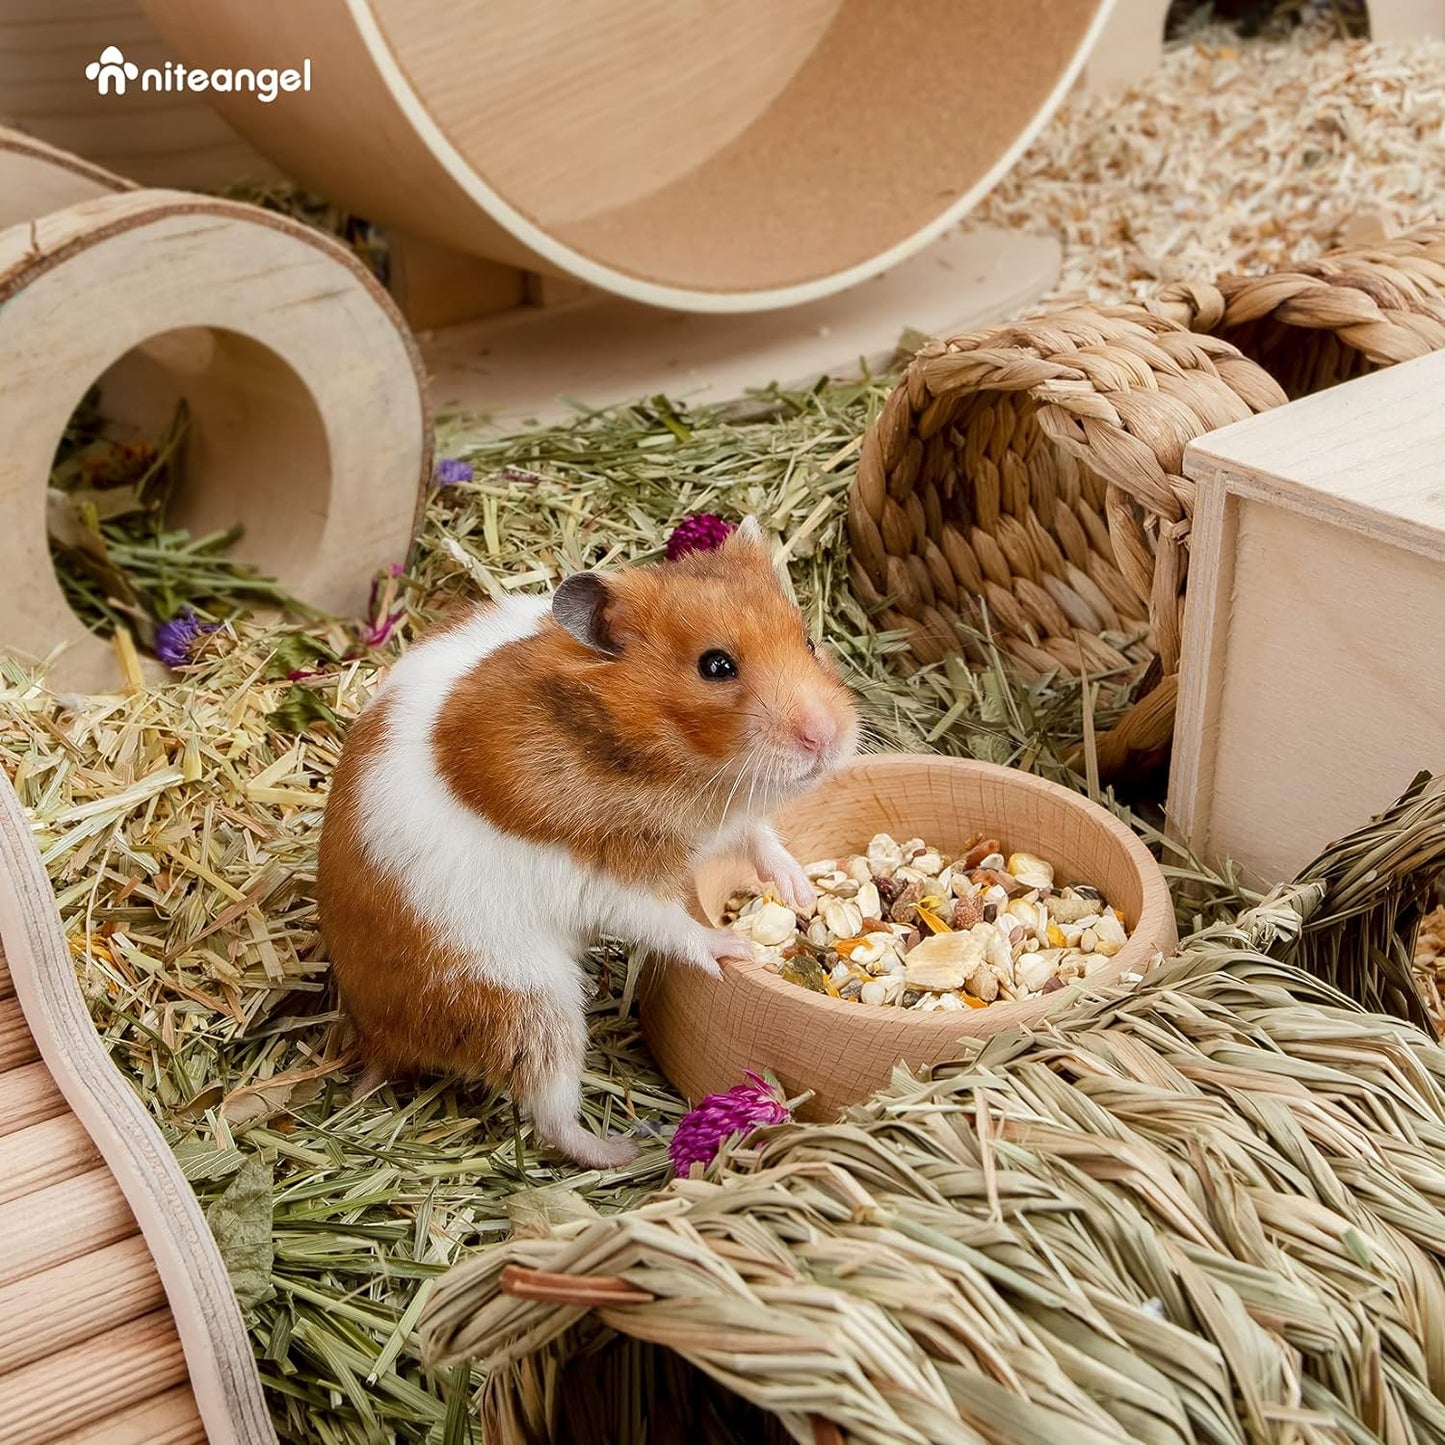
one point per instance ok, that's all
(544, 770)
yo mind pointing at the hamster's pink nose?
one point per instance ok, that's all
(815, 732)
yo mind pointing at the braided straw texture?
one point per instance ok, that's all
(1326, 321)
(1205, 1210)
(1032, 473)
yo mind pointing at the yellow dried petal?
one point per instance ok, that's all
(932, 919)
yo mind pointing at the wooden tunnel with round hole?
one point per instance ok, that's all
(308, 424)
(726, 156)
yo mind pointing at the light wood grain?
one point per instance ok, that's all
(1311, 684)
(436, 286)
(36, 179)
(538, 362)
(44, 1154)
(61, 1223)
(1131, 46)
(16, 1045)
(1406, 19)
(28, 1096)
(89, 1382)
(158, 138)
(166, 1419)
(308, 422)
(705, 1032)
(73, 1302)
(713, 157)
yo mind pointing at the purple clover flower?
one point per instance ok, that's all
(177, 639)
(451, 470)
(720, 1117)
(701, 532)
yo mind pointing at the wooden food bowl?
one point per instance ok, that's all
(704, 1032)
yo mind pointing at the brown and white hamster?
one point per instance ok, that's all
(544, 770)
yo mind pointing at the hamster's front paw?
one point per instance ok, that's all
(775, 865)
(717, 946)
(792, 886)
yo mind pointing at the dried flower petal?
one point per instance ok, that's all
(701, 532)
(720, 1117)
(178, 640)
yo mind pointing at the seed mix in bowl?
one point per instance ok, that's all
(904, 924)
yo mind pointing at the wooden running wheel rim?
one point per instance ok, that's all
(1027, 482)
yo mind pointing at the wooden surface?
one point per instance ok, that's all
(633, 148)
(704, 1033)
(36, 178)
(308, 422)
(157, 139)
(436, 286)
(117, 1321)
(533, 363)
(1131, 46)
(1406, 19)
(1312, 687)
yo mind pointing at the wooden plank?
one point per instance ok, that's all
(168, 1419)
(44, 1154)
(435, 286)
(61, 1223)
(7, 986)
(1406, 19)
(1310, 688)
(1131, 47)
(17, 1048)
(520, 364)
(85, 1384)
(72, 1303)
(28, 1095)
(140, 1186)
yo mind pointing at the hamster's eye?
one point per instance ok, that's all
(715, 665)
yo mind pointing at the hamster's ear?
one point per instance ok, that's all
(579, 605)
(747, 541)
(748, 544)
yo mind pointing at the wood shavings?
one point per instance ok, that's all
(1232, 158)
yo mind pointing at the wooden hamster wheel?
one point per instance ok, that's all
(708, 155)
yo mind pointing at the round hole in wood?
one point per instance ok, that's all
(254, 454)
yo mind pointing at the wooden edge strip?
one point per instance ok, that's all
(17, 142)
(208, 1319)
